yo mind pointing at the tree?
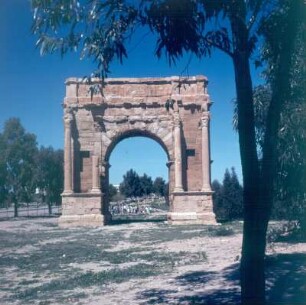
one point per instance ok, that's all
(101, 29)
(146, 185)
(289, 192)
(288, 79)
(233, 194)
(50, 175)
(130, 185)
(228, 197)
(218, 200)
(17, 160)
(3, 173)
(159, 186)
(112, 191)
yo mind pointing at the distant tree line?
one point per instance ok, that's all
(26, 171)
(134, 185)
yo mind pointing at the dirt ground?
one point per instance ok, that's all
(137, 263)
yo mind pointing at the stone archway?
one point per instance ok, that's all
(173, 111)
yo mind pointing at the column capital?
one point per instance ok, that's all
(205, 119)
(169, 163)
(206, 103)
(68, 117)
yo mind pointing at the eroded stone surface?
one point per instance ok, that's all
(173, 111)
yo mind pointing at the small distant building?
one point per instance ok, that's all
(116, 186)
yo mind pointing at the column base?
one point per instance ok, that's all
(95, 191)
(88, 220)
(206, 190)
(191, 218)
(67, 192)
(192, 208)
(178, 190)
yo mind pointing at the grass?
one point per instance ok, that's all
(83, 280)
(49, 264)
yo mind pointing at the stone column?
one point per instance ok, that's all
(178, 185)
(205, 152)
(95, 175)
(68, 154)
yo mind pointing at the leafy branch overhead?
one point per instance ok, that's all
(100, 30)
(96, 29)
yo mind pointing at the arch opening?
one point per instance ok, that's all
(132, 134)
(145, 157)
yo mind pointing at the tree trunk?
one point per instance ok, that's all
(50, 207)
(252, 275)
(15, 208)
(254, 231)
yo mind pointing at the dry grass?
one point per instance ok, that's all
(128, 263)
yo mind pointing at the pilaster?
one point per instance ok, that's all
(68, 117)
(205, 152)
(178, 184)
(96, 188)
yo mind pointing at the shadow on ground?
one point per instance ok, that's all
(198, 288)
(286, 279)
(120, 220)
(285, 276)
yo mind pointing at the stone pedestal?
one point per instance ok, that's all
(192, 208)
(81, 209)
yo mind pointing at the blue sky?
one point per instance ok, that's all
(32, 88)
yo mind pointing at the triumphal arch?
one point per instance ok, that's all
(172, 111)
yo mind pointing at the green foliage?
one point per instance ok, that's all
(130, 185)
(17, 163)
(112, 191)
(134, 185)
(290, 192)
(146, 185)
(228, 197)
(289, 187)
(50, 175)
(160, 186)
(24, 167)
(261, 99)
(98, 29)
